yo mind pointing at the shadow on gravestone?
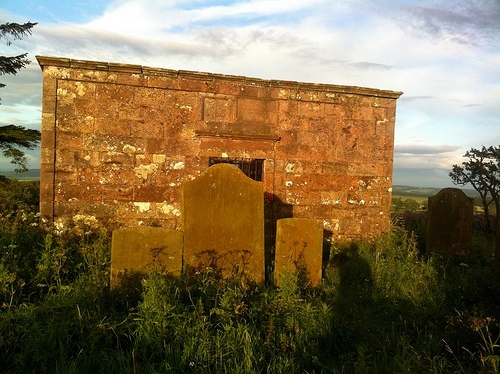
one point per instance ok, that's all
(299, 248)
(135, 251)
(223, 223)
(274, 210)
(449, 222)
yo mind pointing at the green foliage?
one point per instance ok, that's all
(482, 171)
(400, 206)
(18, 197)
(11, 65)
(16, 30)
(14, 137)
(207, 324)
(382, 308)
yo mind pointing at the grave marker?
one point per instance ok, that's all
(299, 247)
(138, 250)
(449, 222)
(223, 222)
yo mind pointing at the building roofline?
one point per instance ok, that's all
(139, 69)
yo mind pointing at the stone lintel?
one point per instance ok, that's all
(138, 69)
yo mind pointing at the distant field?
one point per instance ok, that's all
(419, 199)
(420, 195)
(30, 175)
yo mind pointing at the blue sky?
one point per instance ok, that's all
(443, 54)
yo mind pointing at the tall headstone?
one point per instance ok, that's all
(449, 222)
(138, 250)
(299, 247)
(223, 222)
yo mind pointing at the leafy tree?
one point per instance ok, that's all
(14, 137)
(401, 206)
(482, 171)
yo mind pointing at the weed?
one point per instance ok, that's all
(383, 307)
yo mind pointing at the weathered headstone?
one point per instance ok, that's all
(223, 222)
(138, 250)
(449, 222)
(299, 247)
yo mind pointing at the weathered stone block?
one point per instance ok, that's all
(223, 222)
(146, 129)
(449, 222)
(219, 110)
(81, 191)
(138, 250)
(118, 193)
(67, 140)
(299, 248)
(258, 111)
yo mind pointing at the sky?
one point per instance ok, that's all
(443, 54)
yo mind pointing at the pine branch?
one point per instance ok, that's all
(11, 65)
(16, 30)
(18, 136)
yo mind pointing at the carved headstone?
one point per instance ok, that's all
(223, 222)
(299, 247)
(138, 250)
(449, 222)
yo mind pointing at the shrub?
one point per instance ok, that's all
(382, 307)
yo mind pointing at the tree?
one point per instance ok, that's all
(482, 171)
(408, 205)
(14, 137)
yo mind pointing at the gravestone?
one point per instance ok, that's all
(449, 222)
(137, 250)
(223, 222)
(299, 247)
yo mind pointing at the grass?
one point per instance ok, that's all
(383, 307)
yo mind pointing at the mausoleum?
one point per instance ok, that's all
(118, 140)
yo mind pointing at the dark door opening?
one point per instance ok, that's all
(251, 167)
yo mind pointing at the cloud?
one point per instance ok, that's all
(147, 16)
(421, 149)
(83, 42)
(472, 105)
(371, 65)
(415, 98)
(443, 55)
(437, 178)
(25, 88)
(466, 22)
(426, 156)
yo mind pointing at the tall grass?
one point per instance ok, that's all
(383, 307)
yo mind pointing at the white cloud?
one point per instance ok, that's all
(444, 56)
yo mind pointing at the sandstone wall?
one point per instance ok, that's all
(118, 140)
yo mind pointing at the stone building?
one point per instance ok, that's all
(119, 139)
